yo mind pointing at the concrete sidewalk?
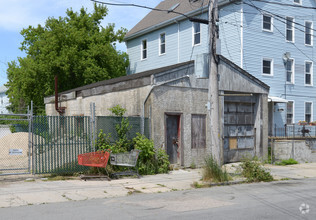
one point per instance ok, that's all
(17, 191)
(40, 191)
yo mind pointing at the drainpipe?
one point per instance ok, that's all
(151, 89)
(178, 23)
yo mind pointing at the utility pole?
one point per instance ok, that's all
(213, 94)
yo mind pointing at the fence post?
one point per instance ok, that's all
(30, 137)
(285, 130)
(92, 125)
(292, 153)
(275, 134)
(272, 148)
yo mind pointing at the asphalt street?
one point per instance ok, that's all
(287, 199)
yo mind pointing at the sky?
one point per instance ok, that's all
(18, 14)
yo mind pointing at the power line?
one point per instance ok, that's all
(282, 33)
(279, 17)
(284, 4)
(140, 6)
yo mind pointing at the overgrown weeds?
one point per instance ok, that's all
(212, 171)
(150, 160)
(290, 161)
(254, 171)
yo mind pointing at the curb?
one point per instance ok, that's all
(228, 183)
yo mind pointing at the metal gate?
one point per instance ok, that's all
(15, 144)
(57, 142)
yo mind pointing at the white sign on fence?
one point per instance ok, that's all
(15, 151)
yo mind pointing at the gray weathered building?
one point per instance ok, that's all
(174, 99)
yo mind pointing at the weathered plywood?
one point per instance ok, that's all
(232, 143)
(198, 131)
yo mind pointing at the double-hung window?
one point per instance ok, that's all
(267, 66)
(267, 23)
(196, 33)
(290, 29)
(290, 112)
(308, 33)
(162, 44)
(308, 73)
(290, 71)
(308, 111)
(144, 49)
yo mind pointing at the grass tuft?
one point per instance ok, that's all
(290, 161)
(212, 171)
(254, 171)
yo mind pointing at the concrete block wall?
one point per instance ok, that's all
(283, 150)
(131, 99)
(183, 101)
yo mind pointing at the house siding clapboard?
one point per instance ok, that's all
(179, 46)
(245, 43)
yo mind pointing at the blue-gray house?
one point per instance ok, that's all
(272, 40)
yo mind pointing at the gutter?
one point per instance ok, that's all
(144, 103)
(178, 18)
(165, 23)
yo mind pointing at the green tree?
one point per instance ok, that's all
(76, 48)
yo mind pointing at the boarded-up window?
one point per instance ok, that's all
(198, 131)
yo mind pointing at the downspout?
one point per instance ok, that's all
(144, 103)
(242, 35)
(178, 41)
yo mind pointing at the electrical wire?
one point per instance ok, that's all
(283, 34)
(280, 18)
(140, 6)
(284, 4)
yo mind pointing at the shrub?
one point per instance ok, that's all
(122, 129)
(290, 161)
(150, 160)
(162, 161)
(253, 170)
(212, 171)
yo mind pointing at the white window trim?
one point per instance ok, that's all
(293, 73)
(193, 45)
(141, 51)
(309, 45)
(311, 111)
(298, 3)
(293, 29)
(271, 23)
(293, 119)
(271, 68)
(159, 45)
(312, 72)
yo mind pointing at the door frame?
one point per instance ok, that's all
(180, 156)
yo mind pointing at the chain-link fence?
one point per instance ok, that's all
(108, 123)
(15, 145)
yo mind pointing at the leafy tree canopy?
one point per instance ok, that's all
(76, 48)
